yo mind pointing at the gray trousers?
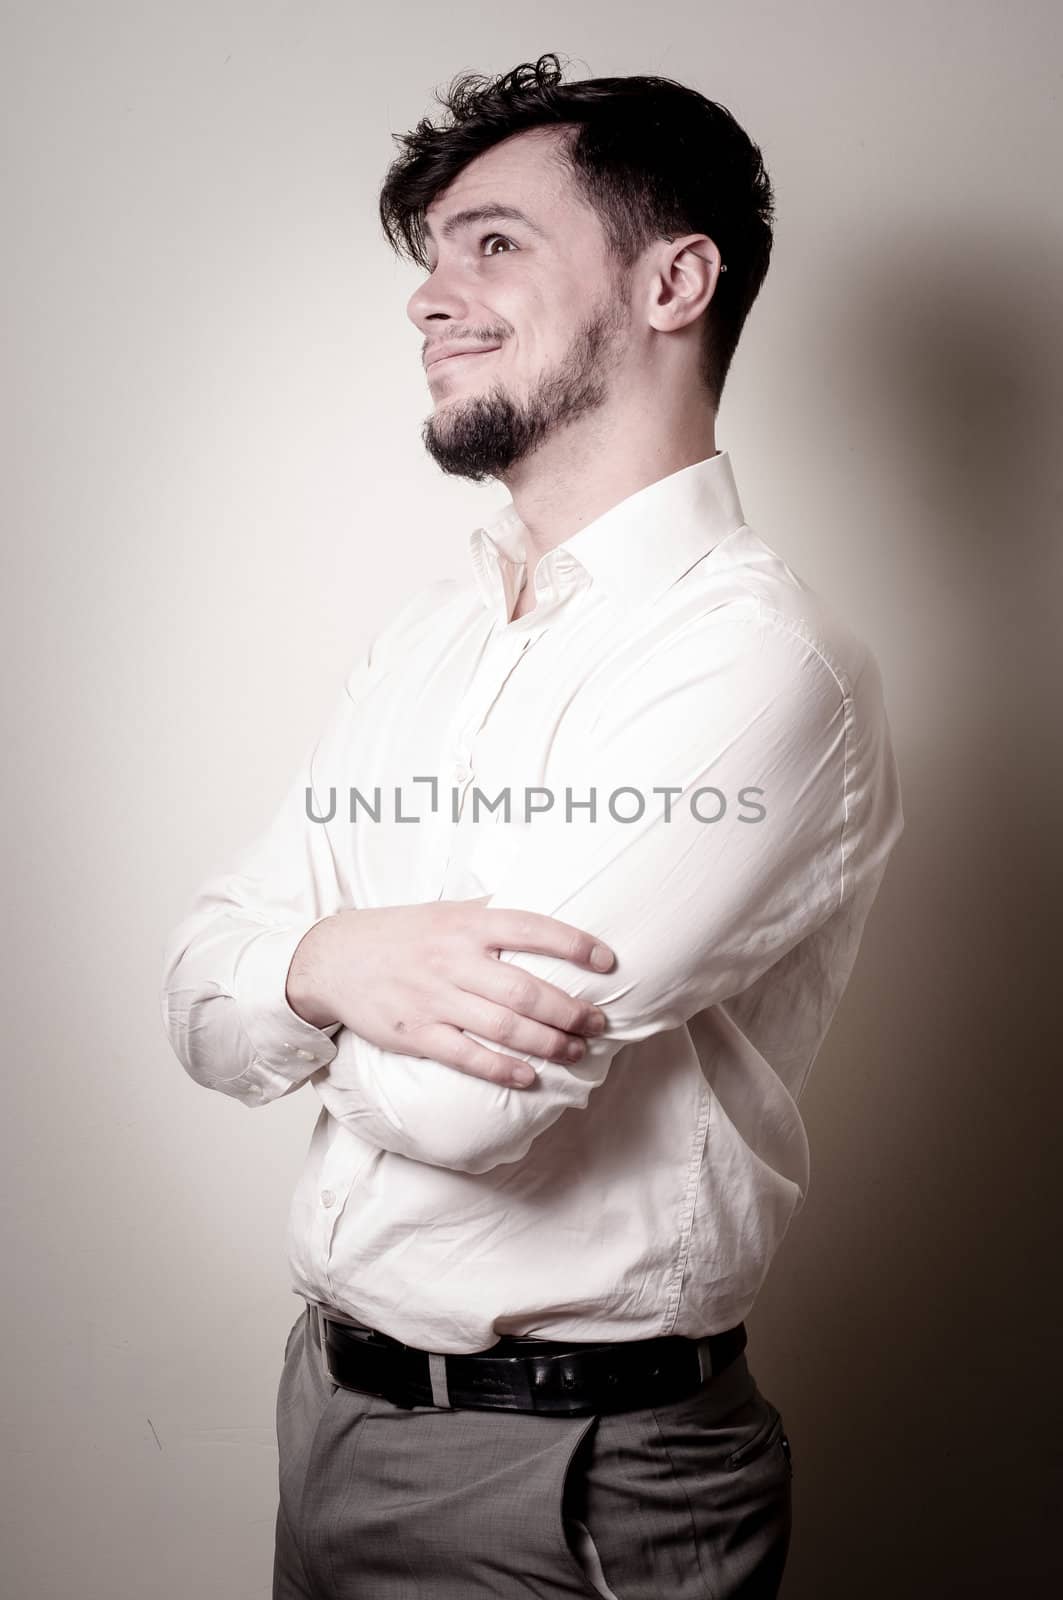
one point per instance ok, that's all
(684, 1501)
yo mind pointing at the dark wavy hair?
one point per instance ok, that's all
(654, 159)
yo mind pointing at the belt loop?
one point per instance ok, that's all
(437, 1372)
(319, 1325)
(705, 1358)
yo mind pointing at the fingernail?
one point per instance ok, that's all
(601, 958)
(523, 1076)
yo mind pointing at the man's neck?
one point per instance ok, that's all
(570, 481)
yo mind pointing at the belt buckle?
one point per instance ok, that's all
(392, 1393)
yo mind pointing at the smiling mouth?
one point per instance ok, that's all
(465, 355)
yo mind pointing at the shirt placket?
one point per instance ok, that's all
(337, 1172)
(500, 659)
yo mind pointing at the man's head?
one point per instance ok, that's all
(645, 211)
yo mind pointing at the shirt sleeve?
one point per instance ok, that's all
(225, 967)
(752, 793)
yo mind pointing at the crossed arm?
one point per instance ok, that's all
(695, 909)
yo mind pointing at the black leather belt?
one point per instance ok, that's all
(522, 1374)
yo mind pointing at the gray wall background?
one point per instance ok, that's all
(215, 487)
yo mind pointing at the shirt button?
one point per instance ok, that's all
(328, 1198)
(307, 1055)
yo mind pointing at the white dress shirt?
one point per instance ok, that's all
(732, 734)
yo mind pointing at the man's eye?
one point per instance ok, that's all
(485, 239)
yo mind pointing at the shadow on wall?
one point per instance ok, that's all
(909, 1330)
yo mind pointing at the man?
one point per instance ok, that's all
(630, 725)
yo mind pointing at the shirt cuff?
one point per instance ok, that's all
(282, 1040)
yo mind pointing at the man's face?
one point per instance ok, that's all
(539, 299)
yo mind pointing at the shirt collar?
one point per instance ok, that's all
(635, 550)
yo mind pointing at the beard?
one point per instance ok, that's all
(486, 435)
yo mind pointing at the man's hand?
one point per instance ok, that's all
(410, 978)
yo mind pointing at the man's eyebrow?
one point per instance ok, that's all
(484, 213)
